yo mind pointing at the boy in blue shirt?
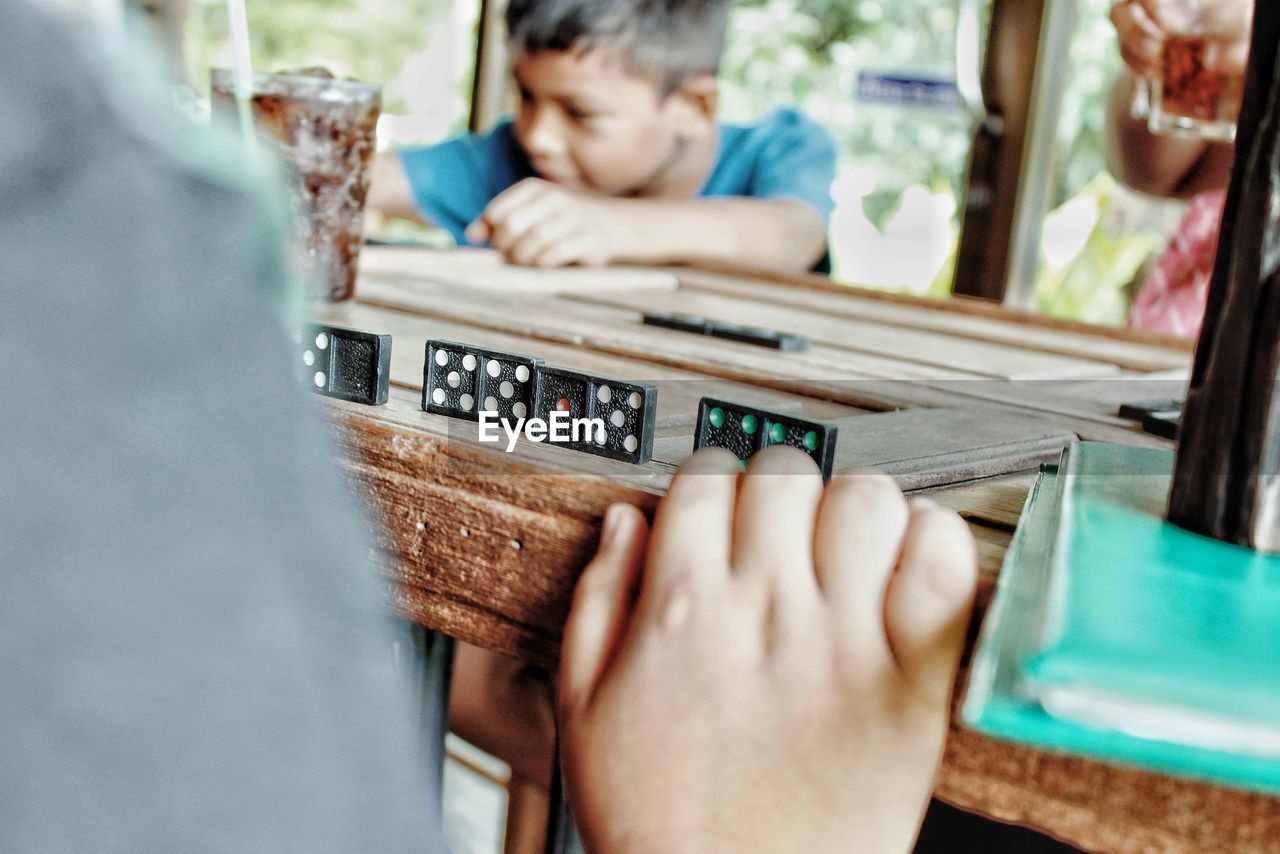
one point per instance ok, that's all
(616, 154)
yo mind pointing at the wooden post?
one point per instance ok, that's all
(1227, 475)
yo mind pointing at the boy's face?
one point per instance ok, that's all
(588, 124)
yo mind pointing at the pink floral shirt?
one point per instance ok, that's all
(1172, 299)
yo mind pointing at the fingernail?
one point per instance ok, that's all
(614, 525)
(922, 503)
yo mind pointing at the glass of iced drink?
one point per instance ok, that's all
(325, 131)
(1195, 93)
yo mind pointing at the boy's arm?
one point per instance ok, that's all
(1168, 166)
(779, 235)
(389, 193)
(543, 225)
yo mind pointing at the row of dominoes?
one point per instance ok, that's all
(462, 381)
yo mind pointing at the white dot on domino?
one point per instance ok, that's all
(469, 362)
(438, 397)
(631, 443)
(506, 389)
(466, 402)
(322, 341)
(320, 379)
(518, 410)
(635, 400)
(454, 379)
(308, 358)
(491, 404)
(442, 357)
(603, 394)
(618, 419)
(494, 367)
(522, 374)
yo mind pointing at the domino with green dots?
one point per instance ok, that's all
(743, 430)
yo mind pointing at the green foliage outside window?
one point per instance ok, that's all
(809, 52)
(370, 40)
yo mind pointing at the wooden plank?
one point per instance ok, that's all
(1101, 807)
(924, 448)
(957, 304)
(484, 546)
(860, 381)
(996, 501)
(1131, 350)
(1105, 397)
(929, 447)
(925, 347)
(620, 331)
(486, 270)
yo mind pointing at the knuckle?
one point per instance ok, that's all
(784, 460)
(675, 607)
(695, 490)
(874, 487)
(946, 522)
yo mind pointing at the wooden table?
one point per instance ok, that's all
(486, 546)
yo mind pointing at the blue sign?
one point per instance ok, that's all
(904, 91)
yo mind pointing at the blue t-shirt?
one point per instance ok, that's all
(785, 154)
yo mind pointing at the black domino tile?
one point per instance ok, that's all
(1139, 410)
(679, 322)
(756, 335)
(347, 364)
(760, 337)
(1163, 424)
(459, 380)
(744, 430)
(628, 411)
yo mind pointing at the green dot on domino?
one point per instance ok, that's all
(777, 433)
(811, 440)
(716, 417)
(749, 425)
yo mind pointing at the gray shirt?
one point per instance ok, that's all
(191, 654)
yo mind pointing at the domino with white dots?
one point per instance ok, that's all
(346, 363)
(627, 410)
(744, 430)
(461, 381)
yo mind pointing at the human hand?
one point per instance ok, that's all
(770, 670)
(1141, 27)
(540, 224)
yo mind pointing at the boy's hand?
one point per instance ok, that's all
(540, 224)
(770, 670)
